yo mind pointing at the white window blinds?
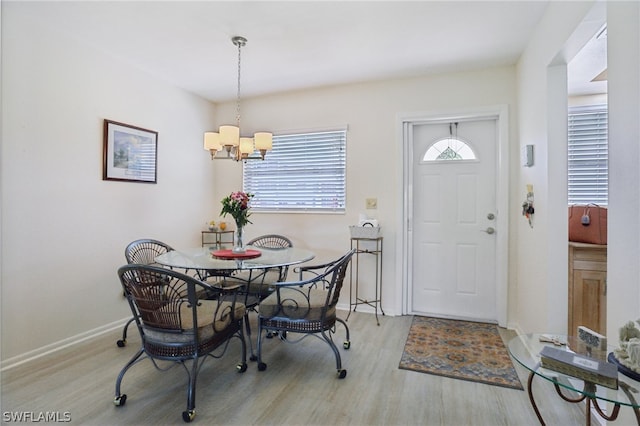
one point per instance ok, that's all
(303, 172)
(588, 155)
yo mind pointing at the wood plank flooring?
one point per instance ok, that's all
(299, 387)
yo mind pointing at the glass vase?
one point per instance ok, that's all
(238, 246)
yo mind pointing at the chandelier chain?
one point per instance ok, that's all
(239, 44)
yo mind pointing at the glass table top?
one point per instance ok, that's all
(202, 258)
(525, 349)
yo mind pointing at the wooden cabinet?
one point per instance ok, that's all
(587, 287)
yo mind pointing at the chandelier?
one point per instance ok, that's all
(227, 143)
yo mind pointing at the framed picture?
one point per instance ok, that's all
(130, 153)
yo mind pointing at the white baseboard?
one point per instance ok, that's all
(516, 328)
(15, 361)
(56, 346)
(363, 308)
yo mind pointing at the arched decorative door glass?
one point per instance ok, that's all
(449, 149)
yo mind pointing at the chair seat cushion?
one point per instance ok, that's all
(213, 317)
(296, 304)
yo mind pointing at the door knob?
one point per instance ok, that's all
(491, 216)
(489, 230)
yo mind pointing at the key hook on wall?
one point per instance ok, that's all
(527, 206)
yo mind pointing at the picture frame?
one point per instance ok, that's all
(130, 153)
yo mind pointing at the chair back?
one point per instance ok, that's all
(156, 295)
(144, 251)
(337, 274)
(166, 303)
(329, 277)
(271, 241)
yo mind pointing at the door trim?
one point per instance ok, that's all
(405, 124)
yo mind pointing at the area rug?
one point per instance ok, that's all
(459, 349)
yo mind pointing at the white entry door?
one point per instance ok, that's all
(453, 256)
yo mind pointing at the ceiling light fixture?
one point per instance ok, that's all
(227, 139)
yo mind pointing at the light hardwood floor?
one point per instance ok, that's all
(299, 387)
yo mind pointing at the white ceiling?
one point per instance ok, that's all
(587, 71)
(294, 44)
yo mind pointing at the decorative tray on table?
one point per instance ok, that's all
(229, 254)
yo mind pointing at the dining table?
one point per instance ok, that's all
(210, 261)
(221, 264)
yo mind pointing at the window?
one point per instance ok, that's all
(588, 155)
(449, 149)
(303, 172)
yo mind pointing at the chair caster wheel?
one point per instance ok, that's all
(241, 367)
(121, 343)
(346, 344)
(342, 373)
(187, 416)
(262, 366)
(253, 358)
(119, 401)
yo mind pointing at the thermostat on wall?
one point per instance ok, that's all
(526, 156)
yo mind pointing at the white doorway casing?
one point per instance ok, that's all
(406, 123)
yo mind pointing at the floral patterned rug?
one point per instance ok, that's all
(459, 349)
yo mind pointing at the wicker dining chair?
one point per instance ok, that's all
(142, 252)
(177, 323)
(306, 307)
(259, 283)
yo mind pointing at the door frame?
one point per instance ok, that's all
(404, 249)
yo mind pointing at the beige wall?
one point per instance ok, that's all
(64, 229)
(542, 251)
(623, 265)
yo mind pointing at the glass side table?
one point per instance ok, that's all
(525, 349)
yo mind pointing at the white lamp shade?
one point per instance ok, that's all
(212, 141)
(246, 145)
(229, 135)
(264, 140)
